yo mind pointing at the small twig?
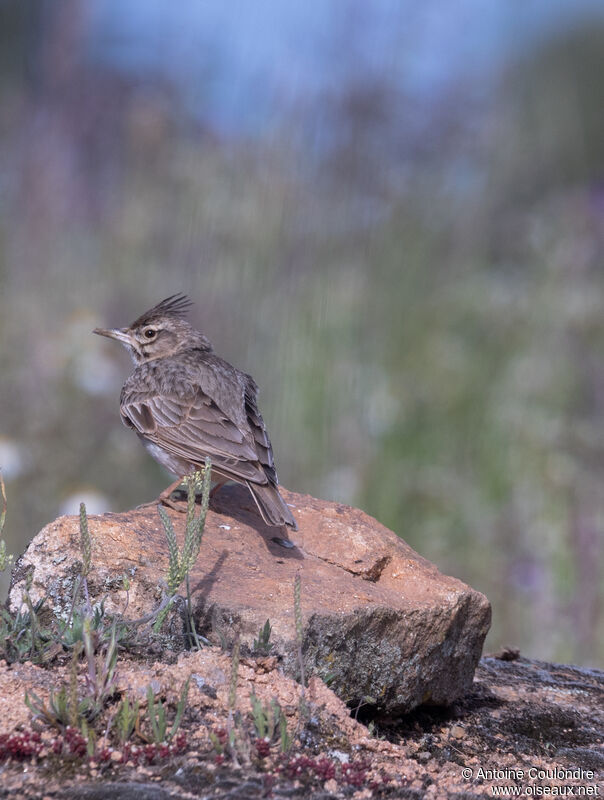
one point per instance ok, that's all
(136, 623)
(162, 613)
(197, 638)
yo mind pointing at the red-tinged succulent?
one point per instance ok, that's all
(20, 745)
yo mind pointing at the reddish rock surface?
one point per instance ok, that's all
(379, 620)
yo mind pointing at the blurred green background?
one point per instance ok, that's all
(391, 214)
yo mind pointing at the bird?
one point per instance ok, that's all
(186, 404)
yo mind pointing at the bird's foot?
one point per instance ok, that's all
(166, 499)
(216, 489)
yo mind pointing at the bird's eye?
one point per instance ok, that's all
(150, 333)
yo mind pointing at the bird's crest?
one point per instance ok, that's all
(177, 306)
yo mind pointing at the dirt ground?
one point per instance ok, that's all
(526, 724)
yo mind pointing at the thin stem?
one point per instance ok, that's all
(4, 503)
(190, 619)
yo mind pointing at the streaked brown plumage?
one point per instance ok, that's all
(185, 404)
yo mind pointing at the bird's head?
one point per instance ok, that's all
(159, 332)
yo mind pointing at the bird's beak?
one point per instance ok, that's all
(119, 334)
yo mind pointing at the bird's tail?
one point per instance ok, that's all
(272, 506)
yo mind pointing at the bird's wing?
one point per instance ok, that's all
(262, 443)
(193, 427)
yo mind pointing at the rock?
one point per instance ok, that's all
(381, 623)
(128, 790)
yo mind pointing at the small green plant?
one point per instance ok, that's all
(255, 733)
(100, 678)
(72, 629)
(23, 637)
(263, 716)
(262, 644)
(299, 640)
(22, 634)
(86, 563)
(126, 588)
(181, 563)
(270, 723)
(234, 675)
(68, 706)
(84, 619)
(126, 719)
(85, 543)
(374, 731)
(217, 743)
(366, 700)
(6, 561)
(285, 738)
(231, 719)
(218, 630)
(327, 677)
(61, 710)
(65, 707)
(156, 713)
(265, 727)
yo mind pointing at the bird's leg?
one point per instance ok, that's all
(217, 488)
(164, 497)
(166, 500)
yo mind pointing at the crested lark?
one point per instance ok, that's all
(185, 403)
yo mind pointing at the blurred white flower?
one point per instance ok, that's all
(12, 460)
(96, 503)
(87, 358)
(95, 373)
